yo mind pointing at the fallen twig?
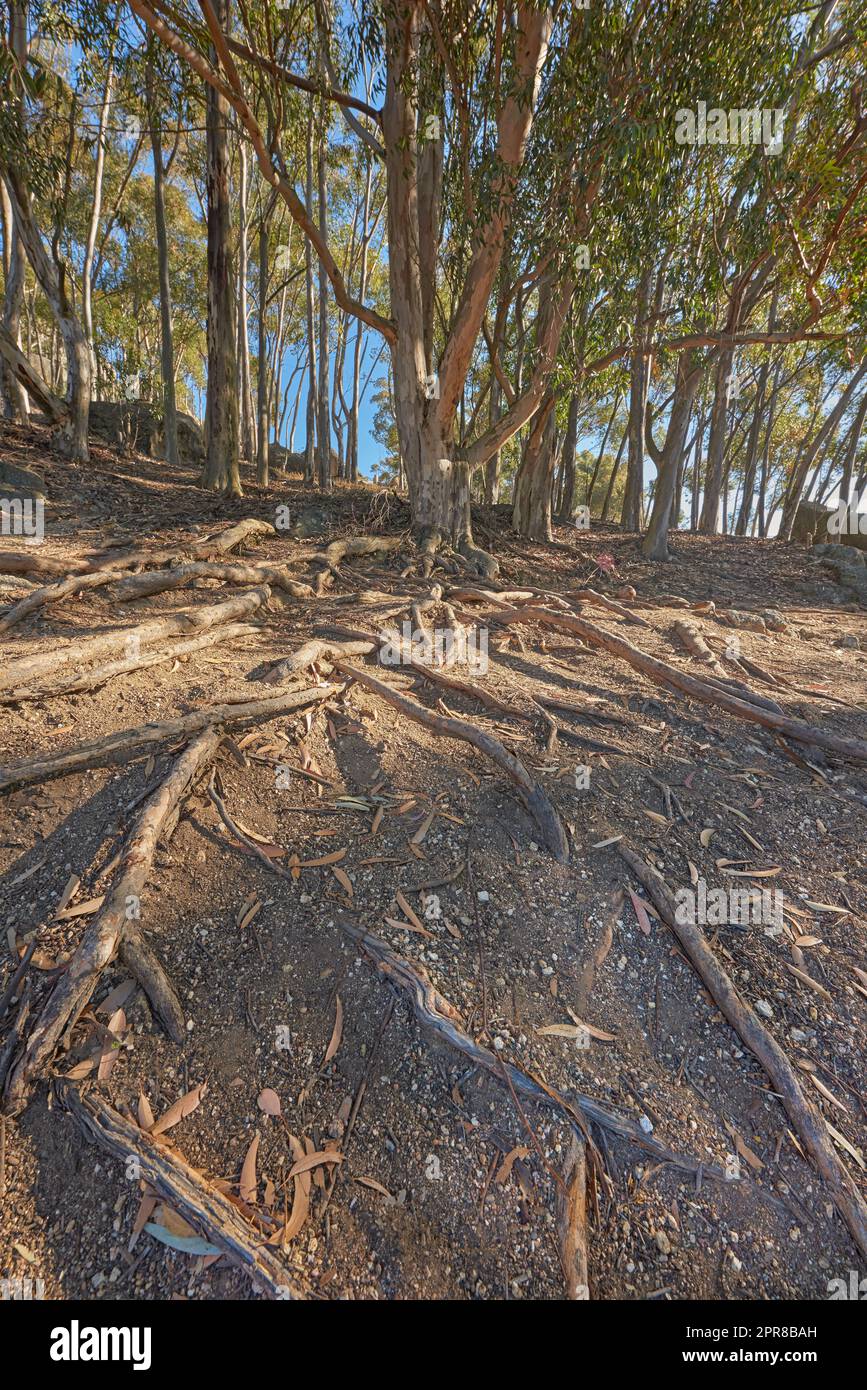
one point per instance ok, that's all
(435, 1012)
(531, 792)
(111, 924)
(808, 1123)
(187, 1190)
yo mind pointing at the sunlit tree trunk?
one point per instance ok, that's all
(53, 280)
(95, 213)
(245, 390)
(310, 444)
(167, 354)
(630, 517)
(263, 429)
(221, 472)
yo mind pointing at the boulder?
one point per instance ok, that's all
(849, 565)
(312, 521)
(811, 520)
(834, 524)
(20, 482)
(284, 461)
(135, 426)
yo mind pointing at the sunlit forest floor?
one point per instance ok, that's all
(449, 1185)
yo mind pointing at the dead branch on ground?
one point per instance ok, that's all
(103, 751)
(200, 1203)
(808, 1123)
(112, 923)
(532, 793)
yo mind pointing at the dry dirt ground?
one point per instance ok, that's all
(447, 1188)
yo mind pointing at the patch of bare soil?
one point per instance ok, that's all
(436, 1177)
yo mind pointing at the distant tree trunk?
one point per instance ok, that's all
(615, 469)
(847, 495)
(221, 472)
(639, 382)
(570, 440)
(688, 379)
(709, 520)
(799, 476)
(752, 459)
(599, 457)
(310, 444)
(167, 353)
(323, 431)
(492, 467)
(245, 390)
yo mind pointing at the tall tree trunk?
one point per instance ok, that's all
(167, 353)
(709, 521)
(53, 281)
(95, 213)
(688, 379)
(221, 472)
(310, 442)
(591, 486)
(615, 468)
(245, 390)
(752, 459)
(324, 421)
(492, 467)
(355, 404)
(263, 431)
(630, 517)
(14, 256)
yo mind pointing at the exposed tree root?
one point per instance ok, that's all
(601, 601)
(32, 566)
(691, 639)
(158, 581)
(316, 650)
(185, 1189)
(481, 561)
(52, 593)
(806, 1120)
(435, 1013)
(90, 680)
(104, 751)
(21, 673)
(532, 794)
(114, 920)
(350, 546)
(219, 544)
(661, 671)
(143, 963)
